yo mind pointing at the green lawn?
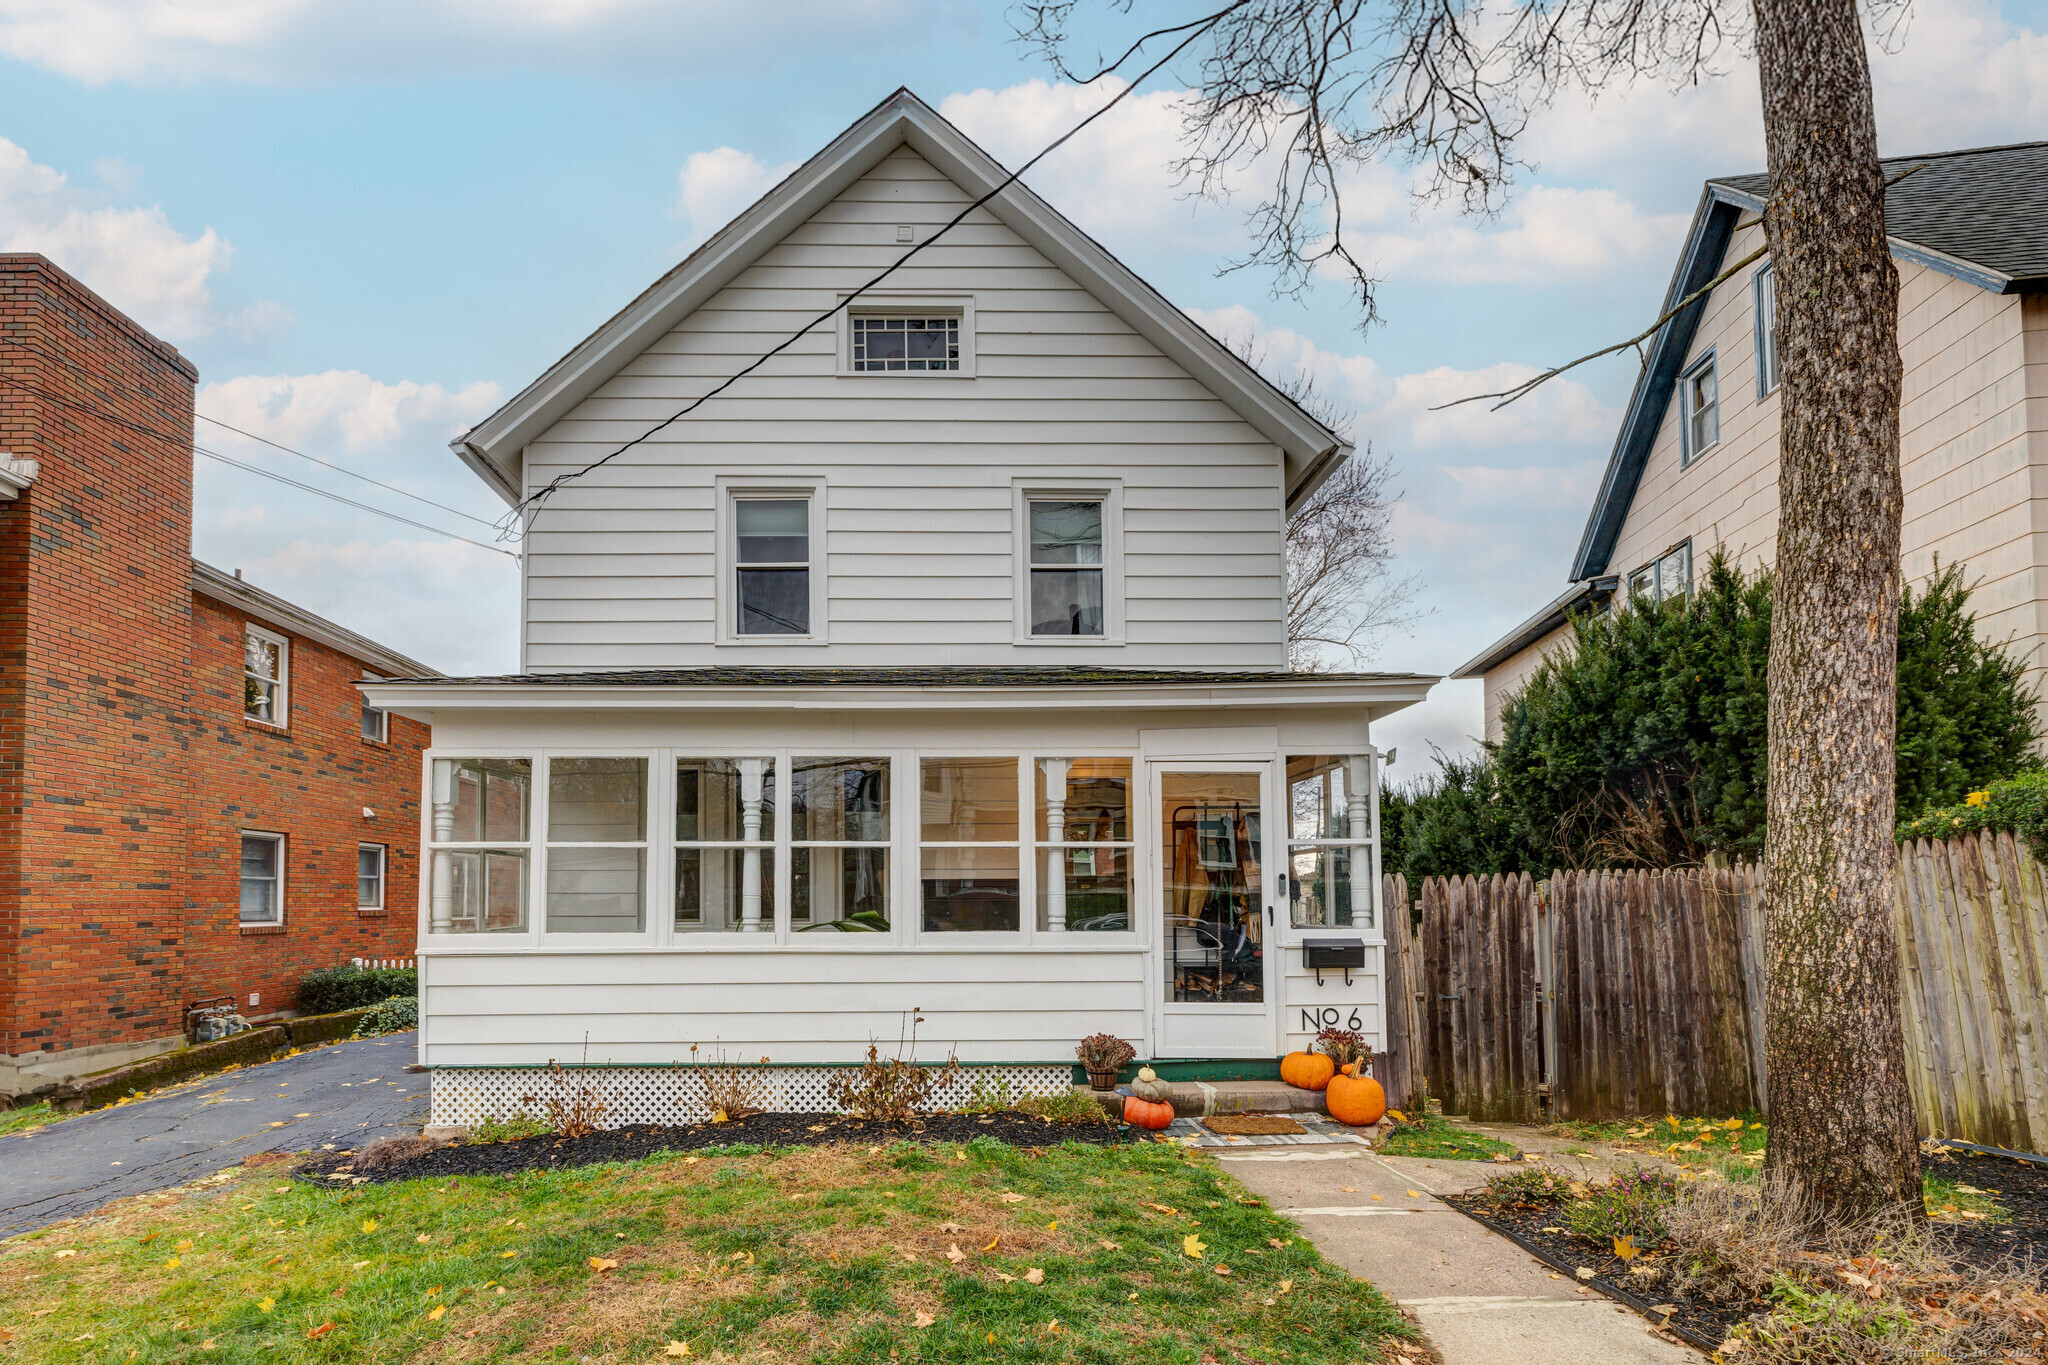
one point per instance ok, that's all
(837, 1254)
(28, 1116)
(1431, 1135)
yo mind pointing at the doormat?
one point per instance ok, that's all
(1252, 1125)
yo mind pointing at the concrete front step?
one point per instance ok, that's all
(1196, 1099)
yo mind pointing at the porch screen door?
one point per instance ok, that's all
(1215, 978)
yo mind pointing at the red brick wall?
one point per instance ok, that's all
(95, 655)
(308, 781)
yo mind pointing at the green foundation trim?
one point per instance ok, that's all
(1218, 1069)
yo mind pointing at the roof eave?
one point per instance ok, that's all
(273, 610)
(1549, 618)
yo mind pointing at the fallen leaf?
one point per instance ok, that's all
(1346, 1189)
(1053, 1226)
(209, 1345)
(507, 1255)
(324, 1328)
(1667, 1309)
(424, 1238)
(1108, 1245)
(1502, 1158)
(955, 1254)
(1193, 1245)
(962, 1156)
(1163, 1208)
(183, 1245)
(1415, 1194)
(171, 1264)
(67, 1251)
(603, 1263)
(358, 1265)
(992, 1242)
(1009, 1198)
(1130, 1296)
(1278, 1241)
(1034, 1276)
(437, 1312)
(951, 1227)
(265, 1305)
(924, 1319)
(1222, 1270)
(1397, 1116)
(1625, 1248)
(1585, 1272)
(1380, 1197)
(369, 1225)
(1285, 1286)
(677, 1349)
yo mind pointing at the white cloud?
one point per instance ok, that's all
(344, 408)
(132, 256)
(713, 187)
(300, 42)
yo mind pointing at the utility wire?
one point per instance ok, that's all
(275, 445)
(512, 523)
(114, 419)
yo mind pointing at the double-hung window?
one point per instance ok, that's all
(262, 878)
(266, 674)
(772, 565)
(1699, 393)
(1066, 566)
(369, 876)
(482, 821)
(725, 845)
(1329, 849)
(597, 845)
(1084, 844)
(839, 844)
(968, 847)
(1766, 309)
(376, 722)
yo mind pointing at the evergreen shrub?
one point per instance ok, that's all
(350, 987)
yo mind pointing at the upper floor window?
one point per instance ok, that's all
(376, 722)
(896, 343)
(266, 673)
(773, 565)
(262, 878)
(1766, 285)
(1667, 576)
(1066, 567)
(1699, 394)
(369, 876)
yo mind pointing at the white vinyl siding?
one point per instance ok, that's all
(917, 540)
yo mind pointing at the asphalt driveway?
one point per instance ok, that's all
(344, 1095)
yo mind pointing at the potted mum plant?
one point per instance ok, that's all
(1344, 1046)
(1102, 1056)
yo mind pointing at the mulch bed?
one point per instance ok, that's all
(550, 1152)
(2022, 1187)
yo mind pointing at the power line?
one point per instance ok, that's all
(509, 525)
(105, 416)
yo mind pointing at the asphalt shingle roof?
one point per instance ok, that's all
(1987, 206)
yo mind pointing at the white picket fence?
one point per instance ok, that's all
(370, 963)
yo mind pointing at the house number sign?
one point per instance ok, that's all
(1313, 1019)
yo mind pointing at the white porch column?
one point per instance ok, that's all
(751, 774)
(1056, 770)
(1358, 813)
(441, 895)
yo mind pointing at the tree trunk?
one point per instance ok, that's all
(1841, 1113)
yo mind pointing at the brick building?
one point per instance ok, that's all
(193, 800)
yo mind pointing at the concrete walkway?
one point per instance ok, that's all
(345, 1095)
(1481, 1298)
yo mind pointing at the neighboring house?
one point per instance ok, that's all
(940, 665)
(1696, 463)
(194, 800)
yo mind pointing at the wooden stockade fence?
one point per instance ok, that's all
(1597, 995)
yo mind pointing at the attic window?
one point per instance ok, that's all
(898, 343)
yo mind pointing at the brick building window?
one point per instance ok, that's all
(266, 676)
(376, 724)
(262, 878)
(369, 876)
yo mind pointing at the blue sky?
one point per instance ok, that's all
(369, 222)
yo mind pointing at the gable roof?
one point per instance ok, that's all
(273, 610)
(1980, 215)
(495, 447)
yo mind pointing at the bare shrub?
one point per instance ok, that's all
(727, 1088)
(390, 1151)
(574, 1107)
(892, 1089)
(1728, 1243)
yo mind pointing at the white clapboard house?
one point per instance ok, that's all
(939, 665)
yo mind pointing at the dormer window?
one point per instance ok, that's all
(896, 343)
(1066, 567)
(773, 564)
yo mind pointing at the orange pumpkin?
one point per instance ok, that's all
(1355, 1099)
(1307, 1070)
(1152, 1114)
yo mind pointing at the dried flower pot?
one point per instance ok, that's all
(1102, 1080)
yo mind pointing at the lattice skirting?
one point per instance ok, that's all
(660, 1094)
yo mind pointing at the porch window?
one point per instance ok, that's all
(1329, 849)
(839, 845)
(481, 842)
(597, 845)
(266, 673)
(262, 878)
(773, 564)
(1084, 844)
(1066, 567)
(968, 844)
(725, 845)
